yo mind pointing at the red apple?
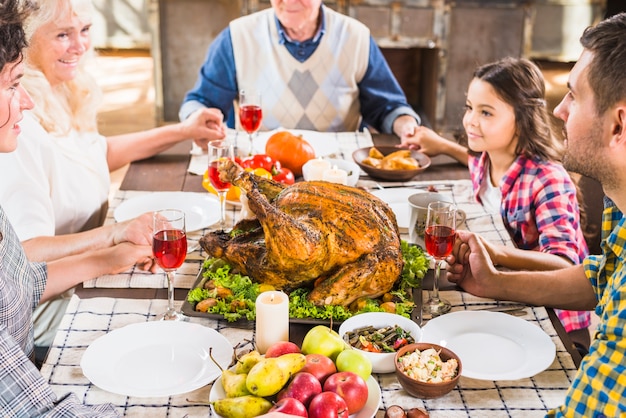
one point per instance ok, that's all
(281, 347)
(328, 405)
(303, 386)
(351, 387)
(290, 406)
(319, 366)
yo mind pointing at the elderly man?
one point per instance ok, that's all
(315, 68)
(594, 112)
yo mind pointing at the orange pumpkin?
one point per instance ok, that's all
(291, 150)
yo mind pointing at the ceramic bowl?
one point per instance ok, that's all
(349, 167)
(381, 362)
(426, 390)
(392, 175)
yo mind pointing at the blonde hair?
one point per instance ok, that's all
(71, 104)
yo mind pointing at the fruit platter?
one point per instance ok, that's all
(320, 379)
(218, 293)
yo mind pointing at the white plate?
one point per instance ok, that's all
(492, 345)
(398, 200)
(158, 358)
(369, 410)
(323, 143)
(201, 209)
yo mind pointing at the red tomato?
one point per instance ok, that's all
(259, 161)
(283, 175)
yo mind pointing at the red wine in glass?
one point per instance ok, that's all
(219, 150)
(439, 236)
(250, 117)
(439, 240)
(170, 248)
(214, 177)
(250, 114)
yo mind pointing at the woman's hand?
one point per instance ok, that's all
(204, 125)
(137, 231)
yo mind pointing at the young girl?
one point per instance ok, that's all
(514, 162)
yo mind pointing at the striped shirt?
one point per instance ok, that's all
(540, 211)
(599, 387)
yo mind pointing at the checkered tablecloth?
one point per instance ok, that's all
(88, 319)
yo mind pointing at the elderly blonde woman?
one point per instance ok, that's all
(61, 167)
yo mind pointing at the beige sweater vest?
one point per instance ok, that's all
(319, 94)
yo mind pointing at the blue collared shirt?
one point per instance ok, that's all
(381, 97)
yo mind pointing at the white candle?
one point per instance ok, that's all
(315, 168)
(272, 319)
(335, 175)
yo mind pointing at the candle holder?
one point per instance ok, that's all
(272, 319)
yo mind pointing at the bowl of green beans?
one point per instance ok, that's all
(379, 335)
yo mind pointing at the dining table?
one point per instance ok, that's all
(104, 304)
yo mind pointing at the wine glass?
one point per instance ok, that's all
(219, 150)
(169, 247)
(439, 239)
(250, 113)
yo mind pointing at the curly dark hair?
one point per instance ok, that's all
(12, 36)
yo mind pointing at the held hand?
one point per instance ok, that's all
(427, 141)
(137, 231)
(470, 264)
(405, 127)
(204, 125)
(126, 255)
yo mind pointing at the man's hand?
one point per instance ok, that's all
(470, 264)
(405, 126)
(205, 125)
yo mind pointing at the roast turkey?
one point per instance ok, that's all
(340, 241)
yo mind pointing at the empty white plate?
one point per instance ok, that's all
(201, 209)
(158, 358)
(492, 345)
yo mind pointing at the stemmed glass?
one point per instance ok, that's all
(169, 247)
(439, 239)
(219, 150)
(250, 113)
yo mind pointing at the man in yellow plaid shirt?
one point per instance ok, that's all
(594, 112)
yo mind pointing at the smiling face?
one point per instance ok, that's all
(58, 45)
(13, 100)
(489, 121)
(298, 17)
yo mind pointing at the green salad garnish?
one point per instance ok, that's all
(233, 295)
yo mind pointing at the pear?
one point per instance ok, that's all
(247, 361)
(270, 375)
(234, 384)
(247, 406)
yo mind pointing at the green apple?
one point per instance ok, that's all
(351, 360)
(323, 340)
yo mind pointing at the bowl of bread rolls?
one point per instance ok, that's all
(391, 163)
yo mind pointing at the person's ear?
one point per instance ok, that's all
(618, 124)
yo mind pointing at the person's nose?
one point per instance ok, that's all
(470, 118)
(26, 102)
(78, 45)
(560, 111)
